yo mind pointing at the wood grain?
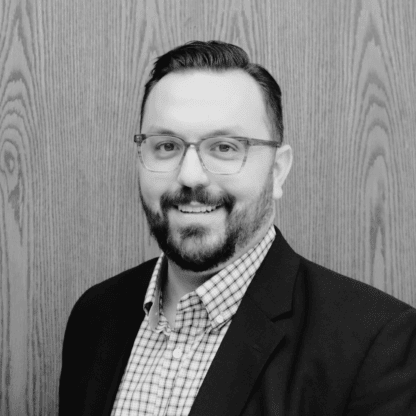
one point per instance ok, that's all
(71, 78)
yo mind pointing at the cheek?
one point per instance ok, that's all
(248, 187)
(151, 188)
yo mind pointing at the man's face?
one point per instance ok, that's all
(201, 219)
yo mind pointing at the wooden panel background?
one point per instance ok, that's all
(71, 76)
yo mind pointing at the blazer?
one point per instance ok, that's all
(304, 341)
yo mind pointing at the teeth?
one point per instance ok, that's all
(204, 208)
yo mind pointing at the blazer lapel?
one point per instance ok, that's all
(256, 331)
(116, 340)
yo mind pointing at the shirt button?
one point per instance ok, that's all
(219, 319)
(177, 353)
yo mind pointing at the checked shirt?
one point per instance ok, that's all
(167, 365)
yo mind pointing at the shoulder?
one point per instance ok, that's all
(117, 290)
(347, 299)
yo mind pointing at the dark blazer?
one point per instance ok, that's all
(304, 341)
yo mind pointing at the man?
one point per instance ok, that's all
(229, 320)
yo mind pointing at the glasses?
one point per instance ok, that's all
(220, 155)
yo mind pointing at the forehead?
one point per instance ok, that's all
(200, 99)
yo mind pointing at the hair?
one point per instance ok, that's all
(219, 56)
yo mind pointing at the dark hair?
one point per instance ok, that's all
(218, 56)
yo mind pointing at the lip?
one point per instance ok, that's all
(202, 218)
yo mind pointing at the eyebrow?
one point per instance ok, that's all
(214, 133)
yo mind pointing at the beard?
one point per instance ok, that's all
(190, 250)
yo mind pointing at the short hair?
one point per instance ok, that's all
(219, 56)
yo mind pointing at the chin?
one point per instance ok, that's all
(195, 250)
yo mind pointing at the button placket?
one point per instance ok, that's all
(170, 362)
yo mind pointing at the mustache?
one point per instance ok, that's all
(198, 194)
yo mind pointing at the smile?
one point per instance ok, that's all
(200, 209)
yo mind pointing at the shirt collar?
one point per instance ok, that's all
(150, 306)
(222, 293)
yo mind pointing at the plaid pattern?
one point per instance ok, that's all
(167, 365)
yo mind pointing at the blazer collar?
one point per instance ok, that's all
(272, 287)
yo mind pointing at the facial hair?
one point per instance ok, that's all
(241, 225)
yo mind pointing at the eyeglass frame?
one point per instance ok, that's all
(248, 142)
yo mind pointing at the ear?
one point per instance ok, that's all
(281, 168)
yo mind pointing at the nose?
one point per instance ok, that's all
(192, 172)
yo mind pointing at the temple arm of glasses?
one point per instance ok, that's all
(258, 142)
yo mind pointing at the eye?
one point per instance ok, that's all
(166, 147)
(223, 147)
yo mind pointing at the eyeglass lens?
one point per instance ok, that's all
(218, 154)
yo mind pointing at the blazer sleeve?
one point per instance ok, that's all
(386, 381)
